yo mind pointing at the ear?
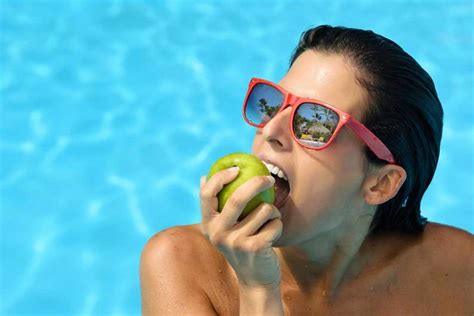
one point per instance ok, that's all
(382, 184)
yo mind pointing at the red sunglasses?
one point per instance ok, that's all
(313, 124)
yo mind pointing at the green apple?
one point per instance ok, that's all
(250, 166)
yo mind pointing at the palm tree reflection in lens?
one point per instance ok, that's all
(314, 124)
(267, 111)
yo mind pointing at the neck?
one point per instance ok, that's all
(325, 262)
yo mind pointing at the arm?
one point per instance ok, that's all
(260, 301)
(168, 280)
(245, 244)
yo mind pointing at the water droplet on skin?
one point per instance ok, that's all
(287, 297)
(325, 293)
(220, 270)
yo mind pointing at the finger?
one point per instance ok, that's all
(241, 196)
(255, 220)
(210, 188)
(269, 233)
(202, 182)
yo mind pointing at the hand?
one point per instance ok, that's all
(247, 245)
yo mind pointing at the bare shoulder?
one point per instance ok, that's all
(183, 246)
(449, 244)
(446, 251)
(170, 266)
(182, 237)
(443, 270)
(173, 269)
(431, 272)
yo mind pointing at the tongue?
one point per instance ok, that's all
(282, 189)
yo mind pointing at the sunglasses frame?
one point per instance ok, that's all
(289, 99)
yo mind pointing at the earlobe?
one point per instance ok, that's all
(384, 184)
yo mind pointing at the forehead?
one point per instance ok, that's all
(329, 78)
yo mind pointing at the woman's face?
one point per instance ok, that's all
(326, 185)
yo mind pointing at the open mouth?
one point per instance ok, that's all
(282, 185)
(282, 191)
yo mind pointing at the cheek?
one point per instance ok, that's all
(255, 144)
(331, 186)
(323, 207)
(257, 140)
(345, 160)
(352, 150)
(323, 197)
(320, 193)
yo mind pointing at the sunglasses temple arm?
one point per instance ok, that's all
(372, 141)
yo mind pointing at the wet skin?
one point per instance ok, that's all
(329, 263)
(430, 274)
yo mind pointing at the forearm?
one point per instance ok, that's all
(260, 301)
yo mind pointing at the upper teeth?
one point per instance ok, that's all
(275, 170)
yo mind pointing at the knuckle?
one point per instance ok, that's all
(234, 242)
(277, 213)
(278, 223)
(279, 228)
(266, 210)
(234, 201)
(217, 238)
(204, 194)
(253, 248)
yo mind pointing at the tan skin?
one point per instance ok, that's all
(328, 264)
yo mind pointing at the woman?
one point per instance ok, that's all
(349, 238)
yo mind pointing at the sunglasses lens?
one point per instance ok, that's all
(263, 103)
(314, 124)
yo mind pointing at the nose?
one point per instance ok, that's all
(277, 131)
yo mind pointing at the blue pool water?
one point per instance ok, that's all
(112, 110)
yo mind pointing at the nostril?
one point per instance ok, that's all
(272, 140)
(277, 141)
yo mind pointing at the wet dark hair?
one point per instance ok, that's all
(403, 111)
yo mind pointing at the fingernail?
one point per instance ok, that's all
(272, 179)
(233, 169)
